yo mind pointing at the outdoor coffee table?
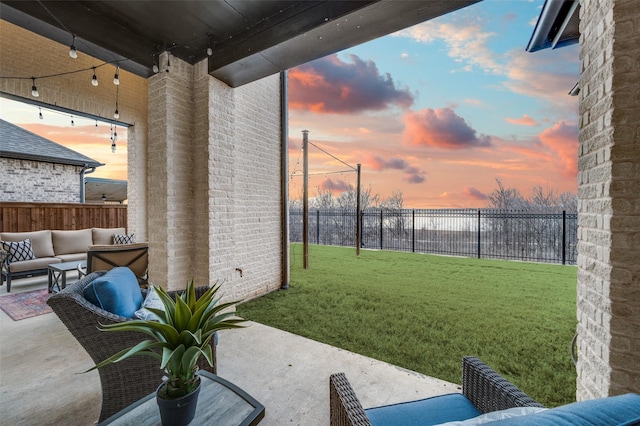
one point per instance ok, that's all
(58, 273)
(220, 403)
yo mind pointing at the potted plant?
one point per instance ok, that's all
(182, 334)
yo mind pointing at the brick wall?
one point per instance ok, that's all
(609, 207)
(203, 167)
(34, 181)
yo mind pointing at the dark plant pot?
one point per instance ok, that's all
(178, 411)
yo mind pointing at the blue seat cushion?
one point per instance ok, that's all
(424, 412)
(623, 410)
(117, 292)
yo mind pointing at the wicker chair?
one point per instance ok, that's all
(124, 382)
(486, 389)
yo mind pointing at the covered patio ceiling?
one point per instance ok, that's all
(249, 39)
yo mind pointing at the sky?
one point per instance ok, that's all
(437, 111)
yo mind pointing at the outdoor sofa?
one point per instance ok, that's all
(24, 254)
(487, 398)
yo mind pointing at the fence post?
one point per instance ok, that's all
(381, 229)
(478, 234)
(413, 231)
(362, 228)
(564, 237)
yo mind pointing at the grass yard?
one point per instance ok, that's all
(425, 312)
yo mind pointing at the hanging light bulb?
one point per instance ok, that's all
(40, 113)
(34, 89)
(113, 147)
(155, 67)
(73, 53)
(116, 114)
(94, 80)
(116, 78)
(168, 63)
(96, 123)
(72, 123)
(209, 51)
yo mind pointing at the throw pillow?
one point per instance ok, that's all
(151, 301)
(123, 239)
(117, 292)
(18, 250)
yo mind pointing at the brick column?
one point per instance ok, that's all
(169, 175)
(609, 207)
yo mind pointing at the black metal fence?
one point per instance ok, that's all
(498, 234)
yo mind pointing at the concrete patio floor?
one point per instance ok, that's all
(40, 361)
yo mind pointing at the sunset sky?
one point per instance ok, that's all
(437, 111)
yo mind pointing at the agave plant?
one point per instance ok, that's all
(182, 335)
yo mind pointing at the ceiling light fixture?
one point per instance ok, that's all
(94, 80)
(34, 89)
(73, 53)
(116, 78)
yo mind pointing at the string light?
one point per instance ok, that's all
(73, 53)
(94, 80)
(72, 123)
(116, 114)
(168, 62)
(40, 113)
(34, 89)
(116, 78)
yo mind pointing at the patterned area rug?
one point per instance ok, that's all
(26, 305)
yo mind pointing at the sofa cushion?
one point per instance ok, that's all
(123, 239)
(622, 410)
(18, 250)
(66, 242)
(496, 415)
(40, 241)
(117, 292)
(424, 412)
(72, 257)
(104, 236)
(33, 264)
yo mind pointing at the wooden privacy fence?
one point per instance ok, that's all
(24, 217)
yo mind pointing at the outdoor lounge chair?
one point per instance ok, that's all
(481, 385)
(106, 257)
(124, 382)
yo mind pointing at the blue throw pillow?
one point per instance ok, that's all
(424, 412)
(117, 292)
(623, 410)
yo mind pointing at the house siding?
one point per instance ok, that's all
(35, 181)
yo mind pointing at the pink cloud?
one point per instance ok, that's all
(441, 128)
(562, 140)
(474, 193)
(525, 120)
(329, 85)
(335, 186)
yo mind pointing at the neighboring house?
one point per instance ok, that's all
(102, 190)
(35, 169)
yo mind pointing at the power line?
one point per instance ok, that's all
(334, 157)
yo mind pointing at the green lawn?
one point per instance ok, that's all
(425, 312)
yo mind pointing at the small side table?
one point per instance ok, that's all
(58, 273)
(220, 403)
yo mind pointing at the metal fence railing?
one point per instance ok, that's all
(488, 233)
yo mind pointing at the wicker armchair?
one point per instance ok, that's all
(124, 382)
(486, 389)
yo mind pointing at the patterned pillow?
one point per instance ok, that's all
(123, 239)
(18, 250)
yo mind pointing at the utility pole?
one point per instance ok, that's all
(358, 223)
(305, 199)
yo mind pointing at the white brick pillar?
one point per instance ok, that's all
(169, 175)
(609, 192)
